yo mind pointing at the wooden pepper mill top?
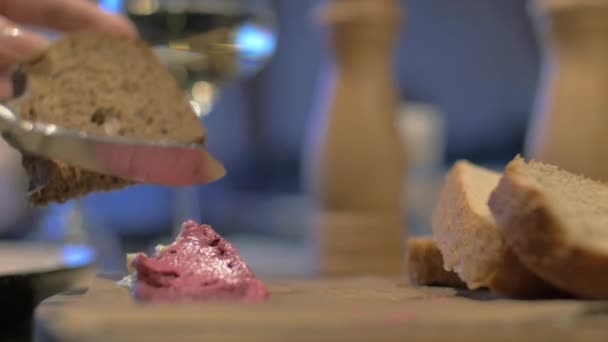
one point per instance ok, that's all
(362, 31)
(569, 126)
(356, 159)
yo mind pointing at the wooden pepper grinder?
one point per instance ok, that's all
(569, 127)
(355, 160)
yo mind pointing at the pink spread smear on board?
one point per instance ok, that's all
(199, 265)
(401, 317)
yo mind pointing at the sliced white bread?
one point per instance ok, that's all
(425, 264)
(470, 242)
(557, 224)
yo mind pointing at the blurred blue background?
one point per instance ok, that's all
(477, 61)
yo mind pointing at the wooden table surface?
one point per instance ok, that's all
(361, 309)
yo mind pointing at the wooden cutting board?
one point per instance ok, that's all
(361, 309)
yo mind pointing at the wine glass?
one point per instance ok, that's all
(225, 40)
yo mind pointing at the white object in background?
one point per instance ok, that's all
(422, 129)
(12, 187)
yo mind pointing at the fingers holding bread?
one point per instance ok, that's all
(20, 45)
(66, 16)
(16, 45)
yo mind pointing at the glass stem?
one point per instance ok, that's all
(187, 207)
(76, 232)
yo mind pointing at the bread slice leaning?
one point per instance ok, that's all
(425, 264)
(470, 242)
(104, 85)
(557, 224)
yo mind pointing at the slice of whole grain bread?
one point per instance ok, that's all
(425, 264)
(470, 242)
(557, 224)
(105, 85)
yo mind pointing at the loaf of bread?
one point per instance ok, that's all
(470, 242)
(556, 223)
(102, 85)
(425, 265)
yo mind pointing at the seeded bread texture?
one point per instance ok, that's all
(470, 242)
(103, 85)
(425, 264)
(557, 224)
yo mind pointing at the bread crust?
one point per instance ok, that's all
(65, 182)
(531, 227)
(513, 279)
(453, 223)
(474, 248)
(425, 264)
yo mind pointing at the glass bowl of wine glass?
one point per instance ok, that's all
(207, 43)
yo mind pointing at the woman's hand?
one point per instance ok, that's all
(17, 44)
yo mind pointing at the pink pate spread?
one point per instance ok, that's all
(199, 265)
